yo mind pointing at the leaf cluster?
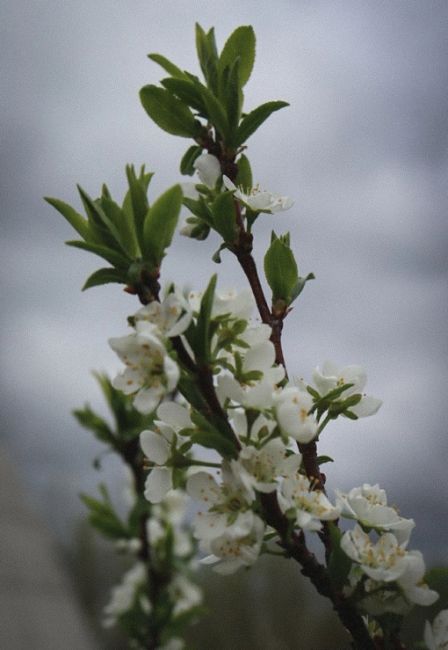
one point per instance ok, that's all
(211, 110)
(131, 237)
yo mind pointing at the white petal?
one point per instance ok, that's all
(228, 184)
(155, 447)
(208, 169)
(158, 483)
(260, 357)
(367, 406)
(209, 525)
(147, 399)
(175, 415)
(172, 373)
(202, 486)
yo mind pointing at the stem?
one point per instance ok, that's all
(296, 548)
(295, 544)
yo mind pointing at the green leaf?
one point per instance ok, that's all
(105, 228)
(321, 460)
(224, 216)
(300, 285)
(117, 260)
(244, 176)
(169, 112)
(212, 440)
(281, 270)
(167, 65)
(339, 564)
(250, 122)
(103, 517)
(187, 162)
(137, 197)
(160, 224)
(240, 44)
(90, 420)
(125, 226)
(75, 219)
(216, 257)
(232, 97)
(199, 209)
(207, 55)
(186, 91)
(215, 111)
(104, 276)
(202, 334)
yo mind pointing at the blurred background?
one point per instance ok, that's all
(362, 150)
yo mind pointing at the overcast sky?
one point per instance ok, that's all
(362, 150)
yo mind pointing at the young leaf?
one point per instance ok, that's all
(250, 122)
(202, 334)
(104, 276)
(244, 176)
(232, 97)
(117, 260)
(300, 285)
(125, 227)
(103, 228)
(186, 91)
(172, 69)
(90, 420)
(214, 110)
(187, 162)
(75, 219)
(169, 112)
(103, 517)
(138, 200)
(160, 224)
(241, 43)
(224, 218)
(207, 55)
(339, 564)
(281, 270)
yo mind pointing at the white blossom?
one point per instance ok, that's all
(156, 445)
(266, 466)
(259, 200)
(172, 316)
(368, 505)
(150, 372)
(184, 594)
(169, 514)
(124, 595)
(237, 304)
(228, 504)
(292, 412)
(436, 635)
(256, 392)
(330, 376)
(261, 427)
(309, 507)
(208, 169)
(229, 551)
(387, 561)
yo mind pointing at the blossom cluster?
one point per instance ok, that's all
(150, 372)
(271, 417)
(385, 576)
(168, 537)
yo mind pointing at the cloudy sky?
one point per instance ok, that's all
(363, 152)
